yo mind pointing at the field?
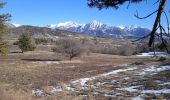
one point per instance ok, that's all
(44, 75)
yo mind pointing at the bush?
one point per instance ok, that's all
(113, 49)
(4, 48)
(162, 58)
(142, 47)
(104, 49)
(68, 47)
(41, 41)
(126, 50)
(25, 43)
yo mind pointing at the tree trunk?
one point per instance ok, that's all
(158, 18)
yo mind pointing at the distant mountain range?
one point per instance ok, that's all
(96, 28)
(102, 30)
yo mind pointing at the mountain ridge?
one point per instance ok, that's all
(95, 28)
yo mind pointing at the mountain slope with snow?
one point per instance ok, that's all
(96, 28)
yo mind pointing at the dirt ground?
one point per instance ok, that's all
(20, 73)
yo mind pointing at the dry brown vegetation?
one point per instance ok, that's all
(20, 73)
(43, 69)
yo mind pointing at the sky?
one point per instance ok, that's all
(43, 12)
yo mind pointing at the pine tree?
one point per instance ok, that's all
(25, 44)
(3, 29)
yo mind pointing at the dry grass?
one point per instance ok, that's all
(20, 73)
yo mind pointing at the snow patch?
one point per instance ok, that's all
(137, 98)
(83, 81)
(121, 27)
(16, 25)
(114, 82)
(56, 89)
(46, 62)
(68, 87)
(130, 89)
(155, 69)
(163, 91)
(51, 62)
(151, 54)
(38, 92)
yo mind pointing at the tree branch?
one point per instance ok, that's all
(158, 17)
(168, 28)
(137, 15)
(141, 38)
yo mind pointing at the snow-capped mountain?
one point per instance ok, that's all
(98, 29)
(12, 25)
(69, 26)
(16, 25)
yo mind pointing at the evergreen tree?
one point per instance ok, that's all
(25, 44)
(3, 29)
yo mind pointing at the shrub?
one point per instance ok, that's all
(25, 43)
(4, 48)
(162, 58)
(68, 47)
(126, 50)
(41, 41)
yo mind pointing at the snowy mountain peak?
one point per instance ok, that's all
(16, 25)
(131, 27)
(99, 29)
(68, 24)
(12, 25)
(52, 26)
(102, 30)
(65, 25)
(121, 27)
(94, 25)
(94, 22)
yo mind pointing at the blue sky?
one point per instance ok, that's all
(42, 12)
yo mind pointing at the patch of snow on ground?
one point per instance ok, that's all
(51, 62)
(117, 71)
(130, 89)
(165, 83)
(114, 82)
(151, 54)
(83, 81)
(38, 92)
(137, 98)
(155, 69)
(162, 82)
(46, 62)
(68, 88)
(109, 95)
(163, 91)
(126, 78)
(56, 89)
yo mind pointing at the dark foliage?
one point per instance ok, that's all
(25, 44)
(3, 29)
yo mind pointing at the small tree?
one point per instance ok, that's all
(25, 44)
(69, 47)
(3, 29)
(4, 47)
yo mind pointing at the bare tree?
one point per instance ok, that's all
(69, 47)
